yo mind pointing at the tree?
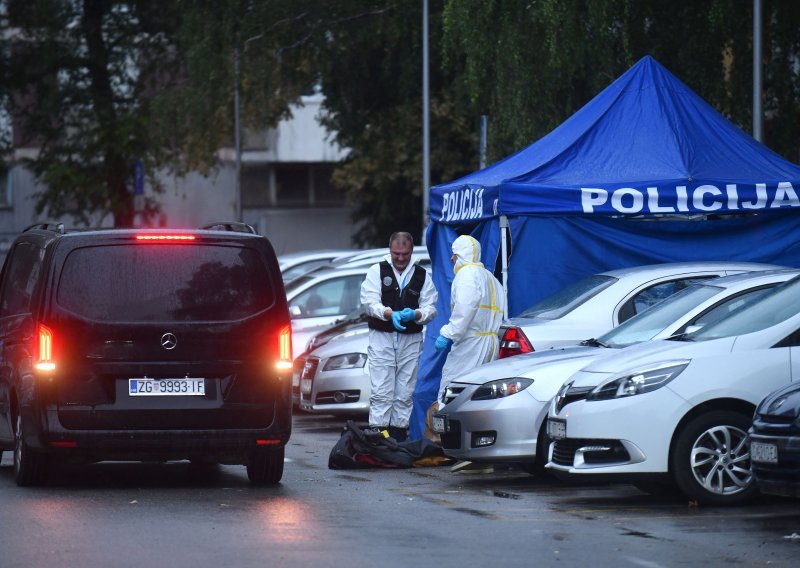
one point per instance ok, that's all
(370, 60)
(75, 81)
(96, 85)
(539, 62)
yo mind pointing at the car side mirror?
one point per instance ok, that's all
(693, 328)
(295, 311)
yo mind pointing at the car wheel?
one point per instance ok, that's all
(711, 459)
(30, 468)
(536, 467)
(266, 466)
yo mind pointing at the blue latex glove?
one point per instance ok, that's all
(397, 317)
(408, 315)
(443, 343)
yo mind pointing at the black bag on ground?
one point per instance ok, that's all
(361, 448)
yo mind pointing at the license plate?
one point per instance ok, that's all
(167, 387)
(305, 386)
(764, 453)
(557, 429)
(439, 424)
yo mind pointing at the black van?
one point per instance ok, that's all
(144, 345)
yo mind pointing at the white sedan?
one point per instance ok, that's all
(497, 412)
(677, 411)
(597, 303)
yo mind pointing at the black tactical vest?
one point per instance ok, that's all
(392, 297)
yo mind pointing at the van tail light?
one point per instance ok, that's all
(285, 349)
(44, 361)
(514, 342)
(165, 238)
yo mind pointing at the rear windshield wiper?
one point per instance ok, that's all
(594, 343)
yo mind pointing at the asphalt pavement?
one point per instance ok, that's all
(180, 515)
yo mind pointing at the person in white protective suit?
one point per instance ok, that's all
(477, 308)
(399, 298)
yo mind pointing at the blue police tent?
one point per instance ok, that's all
(583, 199)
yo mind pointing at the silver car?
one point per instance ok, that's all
(334, 378)
(595, 304)
(296, 264)
(497, 412)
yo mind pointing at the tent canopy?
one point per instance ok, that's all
(582, 199)
(646, 145)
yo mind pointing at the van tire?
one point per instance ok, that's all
(266, 466)
(30, 467)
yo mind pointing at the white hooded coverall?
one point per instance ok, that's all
(394, 357)
(477, 308)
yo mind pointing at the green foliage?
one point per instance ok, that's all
(530, 64)
(73, 78)
(371, 68)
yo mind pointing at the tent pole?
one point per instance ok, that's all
(504, 256)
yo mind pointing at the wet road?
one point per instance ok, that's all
(177, 515)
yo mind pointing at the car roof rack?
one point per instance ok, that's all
(56, 227)
(230, 226)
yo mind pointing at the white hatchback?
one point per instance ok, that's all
(679, 410)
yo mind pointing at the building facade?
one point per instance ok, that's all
(285, 189)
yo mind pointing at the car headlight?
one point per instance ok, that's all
(347, 361)
(640, 381)
(501, 388)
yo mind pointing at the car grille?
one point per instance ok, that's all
(605, 451)
(776, 425)
(310, 368)
(344, 396)
(308, 373)
(297, 370)
(451, 440)
(452, 391)
(572, 395)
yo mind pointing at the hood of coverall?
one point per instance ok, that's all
(467, 251)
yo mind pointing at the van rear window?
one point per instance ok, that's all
(164, 282)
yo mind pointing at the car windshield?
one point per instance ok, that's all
(564, 301)
(770, 309)
(651, 322)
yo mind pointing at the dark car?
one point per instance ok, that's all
(775, 442)
(148, 345)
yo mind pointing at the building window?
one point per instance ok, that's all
(255, 185)
(289, 185)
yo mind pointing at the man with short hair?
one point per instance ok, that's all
(399, 298)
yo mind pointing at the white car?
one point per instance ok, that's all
(296, 264)
(679, 410)
(597, 303)
(321, 298)
(327, 295)
(497, 412)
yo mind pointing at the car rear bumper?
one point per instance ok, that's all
(45, 433)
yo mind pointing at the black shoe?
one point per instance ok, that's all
(399, 434)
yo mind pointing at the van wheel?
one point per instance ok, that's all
(711, 459)
(266, 466)
(30, 468)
